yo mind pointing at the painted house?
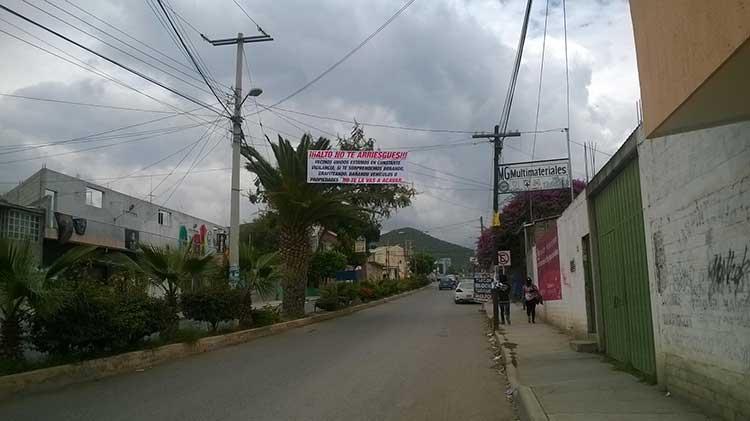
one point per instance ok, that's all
(76, 211)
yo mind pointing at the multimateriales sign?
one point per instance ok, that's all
(536, 175)
(356, 167)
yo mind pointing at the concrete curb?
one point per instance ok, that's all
(56, 377)
(529, 407)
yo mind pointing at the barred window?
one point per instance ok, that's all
(22, 226)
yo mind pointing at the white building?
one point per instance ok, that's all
(81, 212)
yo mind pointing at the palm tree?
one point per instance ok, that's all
(24, 286)
(169, 269)
(299, 206)
(259, 274)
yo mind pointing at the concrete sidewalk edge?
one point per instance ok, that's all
(529, 407)
(56, 377)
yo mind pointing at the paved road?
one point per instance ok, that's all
(418, 358)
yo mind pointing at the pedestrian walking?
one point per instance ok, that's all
(503, 288)
(531, 297)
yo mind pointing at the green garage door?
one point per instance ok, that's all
(623, 273)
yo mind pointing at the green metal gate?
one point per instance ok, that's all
(623, 272)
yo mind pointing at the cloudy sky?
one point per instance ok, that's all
(442, 64)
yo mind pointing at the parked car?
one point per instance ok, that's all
(464, 292)
(446, 283)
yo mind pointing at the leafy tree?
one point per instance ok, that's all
(259, 274)
(324, 265)
(517, 212)
(262, 233)
(171, 269)
(23, 287)
(383, 199)
(298, 207)
(421, 263)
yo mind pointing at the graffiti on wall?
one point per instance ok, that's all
(727, 272)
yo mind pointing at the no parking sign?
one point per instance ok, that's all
(503, 258)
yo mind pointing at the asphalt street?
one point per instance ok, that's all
(421, 357)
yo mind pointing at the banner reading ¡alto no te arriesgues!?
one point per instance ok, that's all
(548, 265)
(356, 167)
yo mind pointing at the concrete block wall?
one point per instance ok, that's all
(696, 198)
(569, 314)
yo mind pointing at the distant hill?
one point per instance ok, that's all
(424, 243)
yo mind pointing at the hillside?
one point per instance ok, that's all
(424, 243)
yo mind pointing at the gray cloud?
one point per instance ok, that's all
(442, 64)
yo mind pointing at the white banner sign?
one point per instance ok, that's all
(537, 175)
(356, 167)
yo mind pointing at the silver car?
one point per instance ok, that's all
(464, 292)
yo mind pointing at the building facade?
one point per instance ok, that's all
(393, 260)
(79, 212)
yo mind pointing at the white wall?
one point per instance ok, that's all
(569, 313)
(696, 198)
(106, 225)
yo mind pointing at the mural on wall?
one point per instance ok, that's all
(548, 265)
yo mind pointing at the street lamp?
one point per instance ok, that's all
(255, 92)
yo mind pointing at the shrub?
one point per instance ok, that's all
(366, 291)
(92, 319)
(212, 305)
(386, 288)
(268, 315)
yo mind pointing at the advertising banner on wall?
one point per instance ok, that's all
(548, 265)
(356, 167)
(536, 175)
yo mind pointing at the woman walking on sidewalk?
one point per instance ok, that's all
(531, 297)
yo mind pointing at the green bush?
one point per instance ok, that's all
(366, 291)
(212, 305)
(386, 288)
(268, 315)
(92, 319)
(338, 295)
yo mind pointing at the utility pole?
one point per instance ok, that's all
(237, 136)
(497, 138)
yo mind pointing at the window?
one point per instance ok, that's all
(94, 197)
(164, 218)
(21, 226)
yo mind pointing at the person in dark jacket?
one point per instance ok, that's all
(503, 288)
(531, 298)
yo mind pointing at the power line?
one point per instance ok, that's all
(15, 161)
(205, 68)
(110, 180)
(481, 183)
(250, 17)
(132, 38)
(90, 136)
(88, 104)
(192, 58)
(114, 46)
(115, 62)
(382, 125)
(81, 64)
(346, 56)
(541, 74)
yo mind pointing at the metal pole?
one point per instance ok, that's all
(495, 309)
(496, 176)
(234, 218)
(570, 164)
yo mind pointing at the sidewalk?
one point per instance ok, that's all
(553, 382)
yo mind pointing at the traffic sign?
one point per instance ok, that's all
(503, 258)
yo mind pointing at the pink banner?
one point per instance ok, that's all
(548, 265)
